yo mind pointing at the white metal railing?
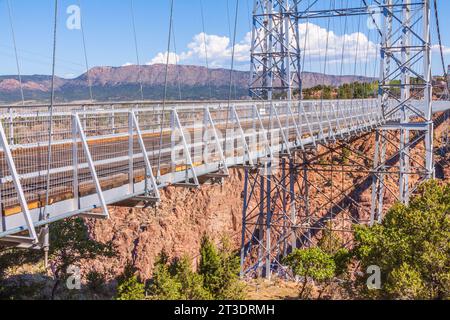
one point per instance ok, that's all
(104, 156)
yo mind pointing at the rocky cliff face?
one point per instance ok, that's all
(176, 226)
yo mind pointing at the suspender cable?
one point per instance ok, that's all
(13, 34)
(344, 42)
(231, 72)
(229, 30)
(303, 67)
(438, 28)
(169, 41)
(91, 96)
(136, 48)
(233, 51)
(177, 66)
(206, 50)
(322, 94)
(355, 66)
(45, 214)
(52, 100)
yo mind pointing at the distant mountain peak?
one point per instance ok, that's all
(123, 83)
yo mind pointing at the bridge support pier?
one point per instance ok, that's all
(404, 52)
(291, 203)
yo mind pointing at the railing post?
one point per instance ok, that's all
(76, 191)
(297, 130)
(283, 135)
(308, 123)
(331, 130)
(91, 164)
(172, 142)
(242, 134)
(264, 131)
(11, 126)
(113, 120)
(319, 122)
(208, 118)
(148, 167)
(17, 184)
(131, 152)
(186, 147)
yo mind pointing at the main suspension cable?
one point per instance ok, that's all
(88, 77)
(50, 124)
(231, 72)
(169, 41)
(230, 35)
(13, 34)
(441, 47)
(136, 48)
(206, 50)
(177, 66)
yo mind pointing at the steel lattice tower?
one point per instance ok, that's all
(275, 52)
(278, 214)
(275, 73)
(405, 77)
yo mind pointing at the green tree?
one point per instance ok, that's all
(70, 246)
(12, 257)
(129, 286)
(327, 92)
(331, 244)
(131, 289)
(220, 270)
(191, 283)
(210, 266)
(312, 263)
(217, 276)
(164, 286)
(411, 247)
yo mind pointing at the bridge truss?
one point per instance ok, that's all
(107, 154)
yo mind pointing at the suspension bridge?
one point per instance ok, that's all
(64, 160)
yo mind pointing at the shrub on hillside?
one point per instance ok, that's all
(411, 246)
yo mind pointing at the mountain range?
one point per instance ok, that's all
(123, 84)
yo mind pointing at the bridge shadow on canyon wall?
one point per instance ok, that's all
(363, 186)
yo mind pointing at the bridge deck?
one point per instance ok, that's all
(103, 149)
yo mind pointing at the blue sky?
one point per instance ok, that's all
(109, 37)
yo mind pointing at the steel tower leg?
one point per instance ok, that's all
(404, 53)
(275, 70)
(405, 96)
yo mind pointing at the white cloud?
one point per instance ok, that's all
(127, 64)
(436, 49)
(69, 75)
(162, 58)
(219, 48)
(355, 45)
